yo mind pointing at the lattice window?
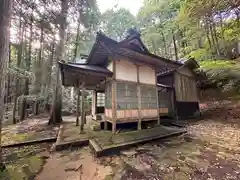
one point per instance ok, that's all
(108, 96)
(127, 96)
(100, 99)
(148, 97)
(164, 98)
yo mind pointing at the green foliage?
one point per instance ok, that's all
(204, 30)
(159, 26)
(20, 73)
(217, 64)
(224, 74)
(116, 22)
(193, 25)
(22, 168)
(200, 54)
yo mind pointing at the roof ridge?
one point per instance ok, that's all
(101, 34)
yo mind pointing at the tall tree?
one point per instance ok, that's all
(5, 14)
(28, 64)
(56, 112)
(116, 22)
(158, 16)
(20, 50)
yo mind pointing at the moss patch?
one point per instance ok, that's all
(11, 138)
(23, 163)
(109, 177)
(22, 169)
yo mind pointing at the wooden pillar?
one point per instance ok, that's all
(114, 98)
(158, 108)
(94, 103)
(35, 107)
(114, 106)
(78, 103)
(105, 125)
(106, 96)
(82, 110)
(106, 106)
(175, 96)
(139, 101)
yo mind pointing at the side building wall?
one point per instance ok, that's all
(187, 101)
(136, 92)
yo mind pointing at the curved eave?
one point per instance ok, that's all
(75, 74)
(101, 49)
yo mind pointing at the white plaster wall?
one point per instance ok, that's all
(147, 75)
(126, 71)
(110, 66)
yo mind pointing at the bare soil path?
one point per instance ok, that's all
(74, 165)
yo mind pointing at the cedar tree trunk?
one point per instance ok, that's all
(56, 112)
(5, 14)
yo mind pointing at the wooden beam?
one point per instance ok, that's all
(106, 80)
(94, 102)
(105, 109)
(78, 103)
(114, 99)
(158, 110)
(82, 109)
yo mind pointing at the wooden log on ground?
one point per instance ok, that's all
(74, 143)
(28, 143)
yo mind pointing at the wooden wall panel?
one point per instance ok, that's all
(186, 89)
(134, 113)
(120, 114)
(148, 113)
(163, 110)
(147, 75)
(127, 114)
(124, 116)
(126, 70)
(108, 113)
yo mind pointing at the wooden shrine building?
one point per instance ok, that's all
(129, 79)
(178, 92)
